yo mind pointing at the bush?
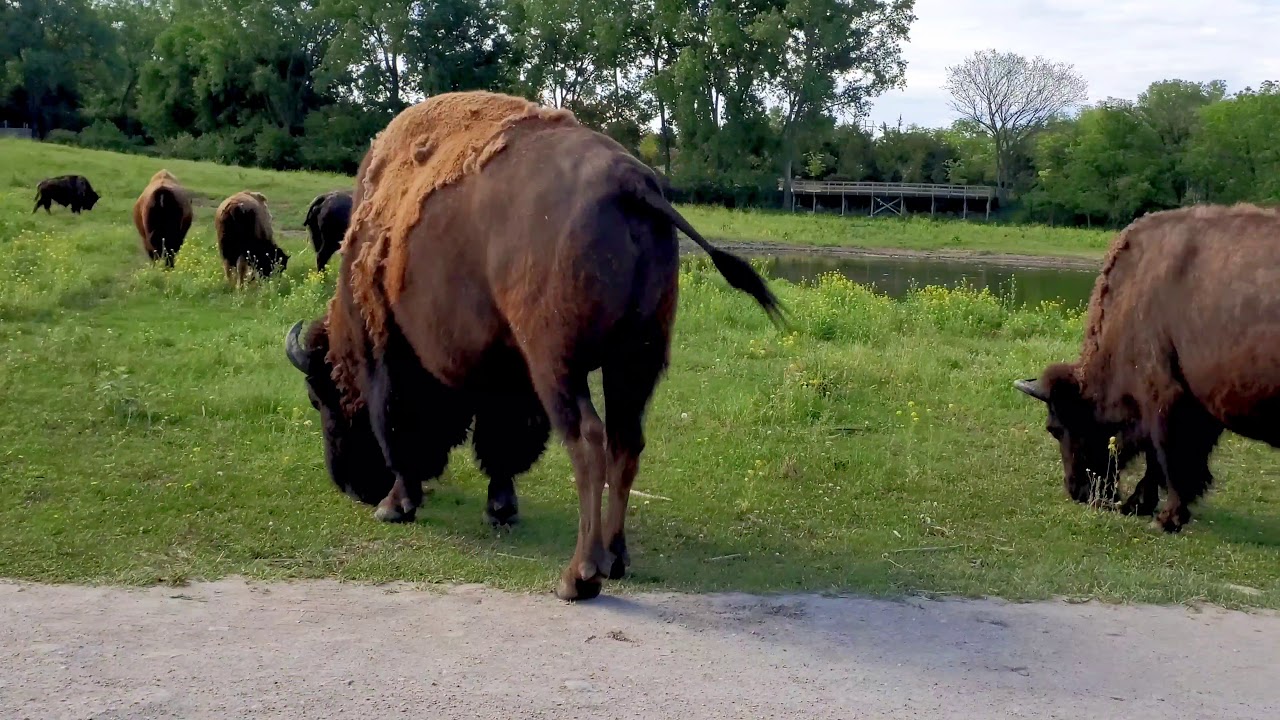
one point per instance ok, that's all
(104, 135)
(62, 137)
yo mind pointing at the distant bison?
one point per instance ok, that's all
(72, 191)
(499, 252)
(243, 226)
(1182, 342)
(162, 214)
(327, 220)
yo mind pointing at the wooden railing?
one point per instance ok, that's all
(844, 187)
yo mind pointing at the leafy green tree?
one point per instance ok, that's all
(829, 57)
(1172, 109)
(50, 54)
(1236, 152)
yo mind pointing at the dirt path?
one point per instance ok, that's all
(326, 650)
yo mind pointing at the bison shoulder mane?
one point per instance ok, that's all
(426, 147)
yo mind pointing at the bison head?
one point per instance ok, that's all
(279, 259)
(351, 451)
(90, 199)
(1091, 458)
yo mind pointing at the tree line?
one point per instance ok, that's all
(723, 96)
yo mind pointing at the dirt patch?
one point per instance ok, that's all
(324, 649)
(1003, 259)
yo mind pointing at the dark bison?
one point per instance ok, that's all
(1182, 342)
(326, 222)
(498, 253)
(72, 191)
(162, 214)
(243, 227)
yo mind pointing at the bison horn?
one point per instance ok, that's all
(1032, 387)
(298, 355)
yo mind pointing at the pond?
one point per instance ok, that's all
(895, 276)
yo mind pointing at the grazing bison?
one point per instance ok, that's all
(243, 226)
(327, 220)
(498, 253)
(1182, 342)
(72, 191)
(162, 214)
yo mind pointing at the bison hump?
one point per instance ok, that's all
(426, 147)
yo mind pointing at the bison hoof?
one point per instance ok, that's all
(393, 512)
(1173, 521)
(504, 515)
(573, 588)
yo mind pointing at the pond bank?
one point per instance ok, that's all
(987, 258)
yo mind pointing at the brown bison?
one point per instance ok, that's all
(162, 214)
(327, 220)
(243, 227)
(498, 253)
(1182, 342)
(72, 191)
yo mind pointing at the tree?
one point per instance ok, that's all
(1172, 109)
(1236, 153)
(830, 57)
(1012, 97)
(50, 53)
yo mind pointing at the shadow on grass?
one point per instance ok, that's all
(1243, 529)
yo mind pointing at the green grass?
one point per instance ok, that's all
(917, 233)
(154, 432)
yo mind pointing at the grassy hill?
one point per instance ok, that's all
(151, 430)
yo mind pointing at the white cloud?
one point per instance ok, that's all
(1120, 47)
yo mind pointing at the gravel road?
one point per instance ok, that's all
(232, 649)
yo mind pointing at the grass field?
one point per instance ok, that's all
(919, 233)
(151, 430)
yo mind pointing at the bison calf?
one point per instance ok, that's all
(243, 226)
(72, 191)
(326, 222)
(162, 214)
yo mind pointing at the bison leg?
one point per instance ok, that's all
(1182, 448)
(1146, 495)
(571, 412)
(416, 420)
(628, 386)
(510, 435)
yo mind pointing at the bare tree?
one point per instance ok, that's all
(1012, 97)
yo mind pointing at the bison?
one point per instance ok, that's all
(72, 191)
(498, 253)
(1182, 342)
(326, 222)
(162, 214)
(243, 227)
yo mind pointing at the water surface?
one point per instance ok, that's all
(897, 276)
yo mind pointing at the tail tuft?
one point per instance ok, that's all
(741, 276)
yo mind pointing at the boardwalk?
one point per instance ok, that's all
(891, 197)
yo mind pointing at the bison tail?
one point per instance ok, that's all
(313, 211)
(736, 271)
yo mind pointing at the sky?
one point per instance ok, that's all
(1120, 47)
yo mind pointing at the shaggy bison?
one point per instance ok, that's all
(326, 222)
(498, 253)
(243, 227)
(1182, 342)
(72, 191)
(162, 214)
